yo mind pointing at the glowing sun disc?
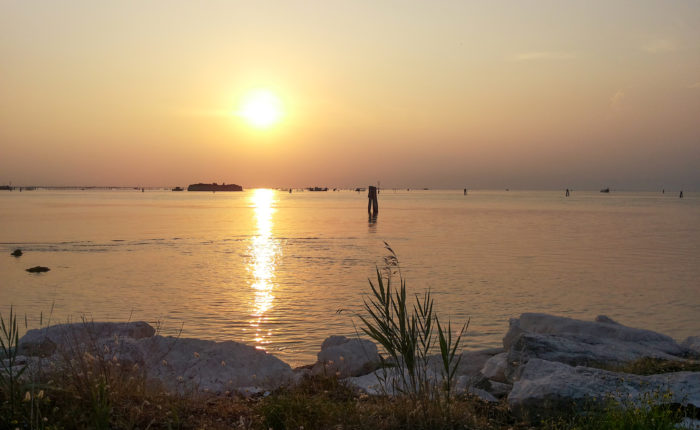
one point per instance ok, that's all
(261, 109)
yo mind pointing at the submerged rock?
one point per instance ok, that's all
(38, 269)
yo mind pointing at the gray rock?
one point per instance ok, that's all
(472, 362)
(689, 424)
(346, 357)
(495, 367)
(45, 341)
(495, 389)
(498, 389)
(186, 365)
(692, 343)
(386, 381)
(583, 343)
(127, 351)
(602, 328)
(483, 395)
(547, 386)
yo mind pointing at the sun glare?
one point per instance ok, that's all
(261, 109)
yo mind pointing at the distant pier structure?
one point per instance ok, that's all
(373, 202)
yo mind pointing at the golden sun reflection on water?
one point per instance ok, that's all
(263, 251)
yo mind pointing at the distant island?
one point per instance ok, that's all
(214, 187)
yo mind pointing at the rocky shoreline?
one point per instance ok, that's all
(546, 362)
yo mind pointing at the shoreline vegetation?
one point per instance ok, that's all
(552, 373)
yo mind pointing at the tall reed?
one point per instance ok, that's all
(10, 370)
(408, 335)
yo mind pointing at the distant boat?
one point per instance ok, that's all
(178, 189)
(5, 188)
(605, 190)
(214, 187)
(360, 189)
(317, 189)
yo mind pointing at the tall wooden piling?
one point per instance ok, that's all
(372, 203)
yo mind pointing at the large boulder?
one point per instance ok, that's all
(70, 337)
(187, 365)
(602, 328)
(597, 343)
(178, 364)
(545, 386)
(346, 357)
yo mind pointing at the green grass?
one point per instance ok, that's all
(651, 411)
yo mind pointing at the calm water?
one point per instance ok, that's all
(271, 269)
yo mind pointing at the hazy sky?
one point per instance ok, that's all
(519, 94)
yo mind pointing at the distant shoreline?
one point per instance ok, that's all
(668, 191)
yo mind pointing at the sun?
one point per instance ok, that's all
(261, 109)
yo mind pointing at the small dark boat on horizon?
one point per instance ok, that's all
(178, 189)
(317, 189)
(214, 187)
(605, 190)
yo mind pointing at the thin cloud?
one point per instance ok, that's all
(543, 55)
(659, 46)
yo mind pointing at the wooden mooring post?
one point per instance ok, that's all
(373, 203)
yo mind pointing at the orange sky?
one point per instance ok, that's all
(531, 94)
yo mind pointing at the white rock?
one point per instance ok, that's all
(379, 382)
(346, 357)
(386, 381)
(548, 385)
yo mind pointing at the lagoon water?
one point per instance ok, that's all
(272, 269)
